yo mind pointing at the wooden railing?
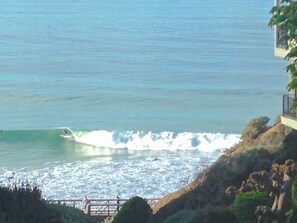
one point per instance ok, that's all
(100, 207)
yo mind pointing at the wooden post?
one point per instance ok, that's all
(108, 207)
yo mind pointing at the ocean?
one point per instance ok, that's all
(151, 92)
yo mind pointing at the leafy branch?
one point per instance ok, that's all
(284, 17)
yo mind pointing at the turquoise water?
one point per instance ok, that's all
(105, 164)
(146, 65)
(133, 80)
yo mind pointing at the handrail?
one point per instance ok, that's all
(99, 207)
(290, 105)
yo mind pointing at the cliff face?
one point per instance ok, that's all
(271, 140)
(209, 187)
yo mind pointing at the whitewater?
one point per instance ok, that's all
(104, 164)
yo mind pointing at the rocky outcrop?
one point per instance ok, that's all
(282, 176)
(258, 180)
(272, 140)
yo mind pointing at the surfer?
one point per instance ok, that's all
(65, 132)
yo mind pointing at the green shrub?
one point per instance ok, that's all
(194, 203)
(292, 213)
(289, 148)
(135, 210)
(254, 128)
(184, 216)
(72, 215)
(294, 194)
(25, 205)
(245, 205)
(242, 165)
(212, 214)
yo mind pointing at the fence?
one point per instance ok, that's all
(100, 207)
(290, 105)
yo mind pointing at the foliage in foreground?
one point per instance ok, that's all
(245, 204)
(184, 216)
(213, 214)
(24, 204)
(292, 213)
(289, 149)
(135, 210)
(72, 215)
(208, 214)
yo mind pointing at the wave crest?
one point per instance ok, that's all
(131, 140)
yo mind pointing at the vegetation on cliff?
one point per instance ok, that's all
(245, 204)
(135, 210)
(251, 160)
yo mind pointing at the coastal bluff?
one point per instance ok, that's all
(260, 147)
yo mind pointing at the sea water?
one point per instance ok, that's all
(151, 92)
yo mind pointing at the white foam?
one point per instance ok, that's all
(135, 174)
(206, 142)
(152, 165)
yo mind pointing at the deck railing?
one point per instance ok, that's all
(290, 105)
(100, 207)
(279, 41)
